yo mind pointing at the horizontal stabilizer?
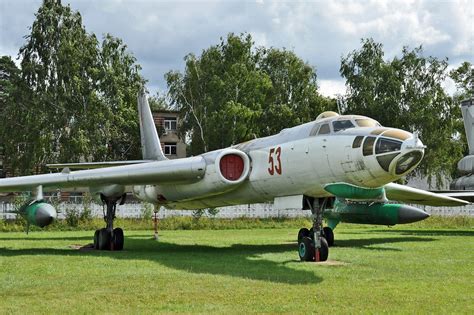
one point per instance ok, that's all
(421, 197)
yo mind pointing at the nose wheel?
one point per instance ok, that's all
(312, 244)
(307, 249)
(328, 235)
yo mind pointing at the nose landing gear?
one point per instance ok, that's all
(312, 245)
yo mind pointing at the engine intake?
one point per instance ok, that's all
(233, 166)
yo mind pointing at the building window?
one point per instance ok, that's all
(170, 123)
(170, 148)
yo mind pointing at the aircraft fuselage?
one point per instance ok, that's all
(299, 159)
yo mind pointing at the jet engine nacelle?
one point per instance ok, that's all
(225, 170)
(38, 212)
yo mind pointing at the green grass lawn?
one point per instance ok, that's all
(405, 269)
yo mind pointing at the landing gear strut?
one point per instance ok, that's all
(109, 238)
(312, 246)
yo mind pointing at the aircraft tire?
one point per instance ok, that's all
(118, 239)
(104, 239)
(311, 233)
(96, 239)
(329, 235)
(304, 232)
(306, 249)
(324, 250)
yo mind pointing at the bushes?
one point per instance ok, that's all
(74, 216)
(171, 223)
(146, 211)
(206, 223)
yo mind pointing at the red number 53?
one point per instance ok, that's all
(275, 166)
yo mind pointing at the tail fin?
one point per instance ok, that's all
(151, 146)
(467, 108)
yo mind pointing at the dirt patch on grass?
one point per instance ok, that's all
(332, 263)
(80, 247)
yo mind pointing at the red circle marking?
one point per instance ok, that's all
(231, 166)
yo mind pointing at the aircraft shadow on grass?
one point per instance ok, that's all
(368, 243)
(27, 238)
(432, 232)
(238, 260)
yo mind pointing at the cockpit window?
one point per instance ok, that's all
(368, 147)
(357, 142)
(408, 161)
(324, 130)
(385, 160)
(339, 125)
(366, 122)
(386, 145)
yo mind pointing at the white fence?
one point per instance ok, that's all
(264, 210)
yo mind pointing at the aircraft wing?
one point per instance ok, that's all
(467, 195)
(169, 171)
(91, 165)
(421, 197)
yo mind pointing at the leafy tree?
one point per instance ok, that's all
(235, 92)
(463, 77)
(406, 92)
(159, 102)
(81, 94)
(293, 98)
(15, 98)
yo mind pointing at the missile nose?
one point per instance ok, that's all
(45, 215)
(409, 214)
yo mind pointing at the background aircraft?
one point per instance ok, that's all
(341, 167)
(466, 164)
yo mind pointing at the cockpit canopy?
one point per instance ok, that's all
(342, 123)
(387, 150)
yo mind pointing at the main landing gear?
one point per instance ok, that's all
(109, 238)
(313, 244)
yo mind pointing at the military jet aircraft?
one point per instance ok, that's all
(340, 167)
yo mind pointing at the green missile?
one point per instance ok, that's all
(374, 213)
(38, 213)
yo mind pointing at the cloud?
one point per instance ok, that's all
(160, 34)
(332, 88)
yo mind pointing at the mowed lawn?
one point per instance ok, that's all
(371, 270)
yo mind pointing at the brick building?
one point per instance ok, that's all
(166, 122)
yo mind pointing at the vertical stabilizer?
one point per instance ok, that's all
(151, 146)
(467, 108)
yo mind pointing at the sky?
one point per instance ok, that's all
(160, 33)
